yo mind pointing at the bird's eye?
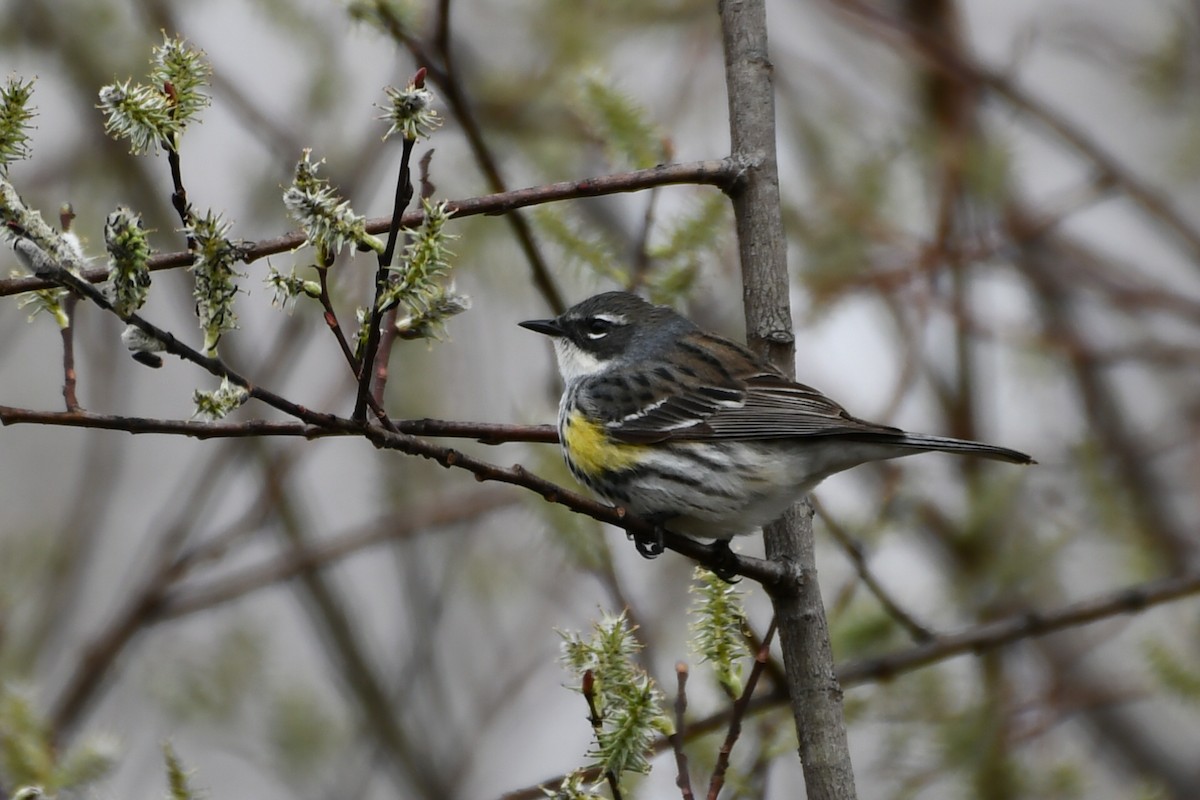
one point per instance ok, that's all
(596, 327)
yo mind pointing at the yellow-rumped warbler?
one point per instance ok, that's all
(694, 432)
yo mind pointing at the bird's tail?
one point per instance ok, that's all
(924, 441)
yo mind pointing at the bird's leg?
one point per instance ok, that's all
(649, 545)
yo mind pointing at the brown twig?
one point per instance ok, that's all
(68, 346)
(739, 713)
(186, 600)
(483, 432)
(768, 573)
(445, 75)
(721, 173)
(683, 780)
(959, 66)
(855, 552)
(976, 639)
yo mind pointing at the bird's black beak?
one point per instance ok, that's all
(550, 327)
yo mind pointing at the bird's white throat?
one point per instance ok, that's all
(574, 363)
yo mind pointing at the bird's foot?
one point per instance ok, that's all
(724, 562)
(649, 545)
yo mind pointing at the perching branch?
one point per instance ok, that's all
(713, 557)
(483, 432)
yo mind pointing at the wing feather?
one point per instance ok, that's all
(714, 389)
(710, 400)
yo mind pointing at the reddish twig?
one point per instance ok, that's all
(740, 707)
(683, 780)
(721, 173)
(977, 639)
(68, 345)
(712, 556)
(331, 320)
(854, 551)
(387, 340)
(483, 432)
(960, 67)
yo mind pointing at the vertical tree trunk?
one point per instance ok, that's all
(816, 697)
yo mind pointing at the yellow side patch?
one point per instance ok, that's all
(591, 449)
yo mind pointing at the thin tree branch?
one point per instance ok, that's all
(959, 66)
(709, 555)
(682, 779)
(331, 320)
(68, 345)
(977, 639)
(992, 635)
(739, 712)
(721, 173)
(484, 432)
(854, 551)
(185, 600)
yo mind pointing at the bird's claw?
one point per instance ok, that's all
(649, 545)
(724, 561)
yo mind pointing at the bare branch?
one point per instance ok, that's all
(739, 712)
(854, 551)
(721, 173)
(959, 66)
(484, 432)
(977, 639)
(992, 635)
(682, 779)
